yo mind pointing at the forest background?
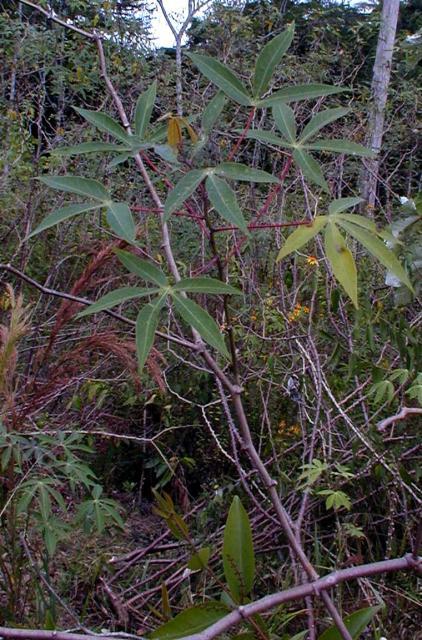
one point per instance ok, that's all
(132, 500)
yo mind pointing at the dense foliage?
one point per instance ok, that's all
(224, 243)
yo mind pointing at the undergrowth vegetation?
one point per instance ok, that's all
(210, 372)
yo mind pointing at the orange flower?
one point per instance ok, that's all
(312, 261)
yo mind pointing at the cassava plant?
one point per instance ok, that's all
(181, 176)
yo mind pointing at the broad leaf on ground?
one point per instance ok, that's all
(356, 623)
(191, 621)
(238, 552)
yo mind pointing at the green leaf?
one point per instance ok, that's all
(310, 168)
(183, 189)
(268, 59)
(341, 146)
(299, 92)
(201, 320)
(200, 559)
(75, 184)
(321, 120)
(212, 112)
(143, 111)
(166, 153)
(120, 219)
(105, 123)
(301, 236)
(223, 198)
(221, 76)
(190, 621)
(342, 261)
(285, 121)
(237, 171)
(300, 636)
(62, 214)
(142, 268)
(114, 298)
(88, 147)
(205, 285)
(378, 249)
(146, 325)
(360, 221)
(267, 137)
(238, 552)
(341, 204)
(355, 623)
(123, 157)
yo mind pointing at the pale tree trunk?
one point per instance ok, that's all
(380, 82)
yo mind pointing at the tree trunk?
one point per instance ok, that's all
(380, 82)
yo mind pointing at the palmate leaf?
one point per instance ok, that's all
(223, 198)
(143, 111)
(146, 325)
(301, 236)
(356, 623)
(267, 137)
(341, 204)
(212, 112)
(120, 219)
(199, 319)
(89, 147)
(342, 261)
(321, 120)
(310, 168)
(205, 285)
(190, 621)
(76, 184)
(105, 123)
(237, 171)
(142, 268)
(183, 190)
(222, 76)
(238, 552)
(63, 214)
(285, 120)
(116, 297)
(268, 59)
(299, 92)
(361, 221)
(341, 146)
(377, 248)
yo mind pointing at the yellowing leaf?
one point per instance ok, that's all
(301, 236)
(342, 261)
(174, 132)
